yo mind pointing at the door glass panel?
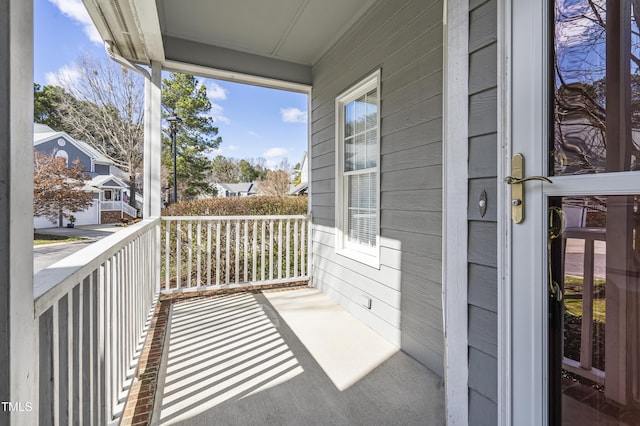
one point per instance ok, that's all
(594, 329)
(596, 87)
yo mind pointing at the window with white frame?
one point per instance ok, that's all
(357, 180)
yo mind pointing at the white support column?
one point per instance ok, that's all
(153, 154)
(18, 338)
(455, 241)
(152, 143)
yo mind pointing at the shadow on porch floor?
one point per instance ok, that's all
(287, 358)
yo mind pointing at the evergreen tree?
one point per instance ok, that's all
(46, 106)
(183, 96)
(248, 173)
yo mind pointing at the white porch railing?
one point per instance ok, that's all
(228, 251)
(91, 310)
(120, 206)
(584, 366)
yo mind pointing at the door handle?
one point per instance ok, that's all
(511, 180)
(517, 180)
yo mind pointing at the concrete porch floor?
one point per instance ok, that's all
(287, 358)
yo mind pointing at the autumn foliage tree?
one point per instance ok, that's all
(58, 189)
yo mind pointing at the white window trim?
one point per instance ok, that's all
(367, 256)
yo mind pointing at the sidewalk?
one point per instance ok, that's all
(82, 231)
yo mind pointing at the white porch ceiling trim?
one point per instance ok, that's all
(236, 77)
(234, 62)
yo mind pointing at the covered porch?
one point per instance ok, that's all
(80, 346)
(227, 329)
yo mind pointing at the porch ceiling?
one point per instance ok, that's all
(278, 39)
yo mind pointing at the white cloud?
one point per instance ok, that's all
(75, 10)
(293, 115)
(65, 76)
(217, 113)
(254, 134)
(223, 149)
(215, 91)
(275, 152)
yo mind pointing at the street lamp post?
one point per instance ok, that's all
(174, 120)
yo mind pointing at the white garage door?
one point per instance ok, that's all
(85, 217)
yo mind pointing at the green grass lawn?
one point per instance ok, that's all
(42, 239)
(573, 298)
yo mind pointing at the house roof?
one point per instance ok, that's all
(100, 182)
(43, 133)
(248, 187)
(278, 40)
(111, 181)
(299, 188)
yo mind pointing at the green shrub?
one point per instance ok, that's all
(239, 206)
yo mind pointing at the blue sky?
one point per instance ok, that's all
(252, 121)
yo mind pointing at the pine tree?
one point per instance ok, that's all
(183, 96)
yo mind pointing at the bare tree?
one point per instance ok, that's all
(225, 170)
(276, 183)
(105, 109)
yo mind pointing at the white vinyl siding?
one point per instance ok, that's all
(358, 195)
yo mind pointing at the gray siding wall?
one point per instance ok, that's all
(402, 38)
(482, 256)
(72, 151)
(102, 169)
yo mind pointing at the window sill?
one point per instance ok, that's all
(367, 259)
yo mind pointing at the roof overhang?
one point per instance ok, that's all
(133, 28)
(274, 43)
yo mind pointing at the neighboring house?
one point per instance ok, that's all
(303, 186)
(243, 189)
(110, 192)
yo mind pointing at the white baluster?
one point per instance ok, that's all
(208, 253)
(254, 252)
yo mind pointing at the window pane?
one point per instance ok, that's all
(594, 327)
(596, 89)
(349, 155)
(372, 109)
(349, 119)
(361, 114)
(360, 152)
(362, 221)
(372, 151)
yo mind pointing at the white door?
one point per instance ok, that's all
(574, 317)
